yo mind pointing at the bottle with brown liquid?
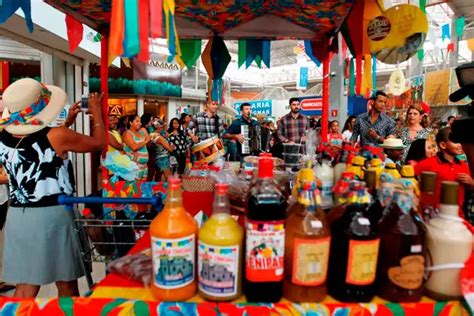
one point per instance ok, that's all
(354, 250)
(306, 248)
(402, 247)
(376, 209)
(428, 202)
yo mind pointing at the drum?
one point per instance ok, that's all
(208, 150)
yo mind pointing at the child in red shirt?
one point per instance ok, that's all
(447, 166)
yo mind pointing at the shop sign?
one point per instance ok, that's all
(311, 105)
(258, 106)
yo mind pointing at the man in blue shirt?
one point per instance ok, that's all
(375, 126)
(248, 141)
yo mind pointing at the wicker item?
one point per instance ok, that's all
(198, 184)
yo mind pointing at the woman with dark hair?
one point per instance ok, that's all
(147, 120)
(122, 124)
(347, 129)
(178, 139)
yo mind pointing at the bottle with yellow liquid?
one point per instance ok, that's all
(356, 167)
(391, 168)
(220, 252)
(173, 245)
(376, 165)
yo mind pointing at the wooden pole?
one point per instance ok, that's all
(104, 88)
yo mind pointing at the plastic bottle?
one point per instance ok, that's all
(325, 173)
(449, 245)
(391, 168)
(354, 250)
(173, 245)
(402, 247)
(342, 164)
(427, 195)
(306, 248)
(265, 246)
(356, 167)
(220, 252)
(376, 165)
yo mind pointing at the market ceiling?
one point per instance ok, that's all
(274, 19)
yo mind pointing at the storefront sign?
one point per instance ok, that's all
(258, 106)
(311, 105)
(157, 77)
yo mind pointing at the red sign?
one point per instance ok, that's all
(334, 113)
(311, 104)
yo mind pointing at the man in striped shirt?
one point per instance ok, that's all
(293, 126)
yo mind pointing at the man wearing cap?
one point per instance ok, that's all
(374, 126)
(393, 148)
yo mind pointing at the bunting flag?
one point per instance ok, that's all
(421, 54)
(470, 44)
(156, 18)
(116, 30)
(9, 7)
(423, 5)
(445, 32)
(4, 75)
(190, 51)
(352, 80)
(325, 48)
(450, 47)
(366, 84)
(254, 50)
(144, 30)
(131, 42)
(459, 24)
(171, 33)
(215, 59)
(75, 32)
(308, 48)
(242, 52)
(358, 74)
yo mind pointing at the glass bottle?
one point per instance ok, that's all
(375, 210)
(428, 199)
(173, 242)
(306, 248)
(265, 244)
(220, 252)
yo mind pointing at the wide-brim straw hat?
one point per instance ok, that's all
(393, 143)
(21, 95)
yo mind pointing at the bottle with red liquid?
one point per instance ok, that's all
(428, 207)
(354, 250)
(265, 245)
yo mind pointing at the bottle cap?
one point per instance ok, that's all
(265, 167)
(376, 162)
(86, 212)
(306, 175)
(174, 183)
(428, 181)
(370, 178)
(390, 165)
(358, 161)
(449, 192)
(265, 155)
(307, 186)
(407, 171)
(221, 188)
(348, 176)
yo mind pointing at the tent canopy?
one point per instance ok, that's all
(274, 19)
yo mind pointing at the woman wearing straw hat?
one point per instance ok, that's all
(40, 246)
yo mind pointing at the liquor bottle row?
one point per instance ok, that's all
(368, 244)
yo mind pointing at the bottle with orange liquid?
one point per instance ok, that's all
(173, 245)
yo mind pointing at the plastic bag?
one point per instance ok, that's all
(134, 267)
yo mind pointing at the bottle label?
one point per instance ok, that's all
(409, 275)
(326, 188)
(310, 261)
(173, 261)
(218, 269)
(362, 261)
(265, 251)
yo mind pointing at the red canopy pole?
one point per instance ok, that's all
(325, 112)
(104, 88)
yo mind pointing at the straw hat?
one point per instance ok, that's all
(393, 143)
(31, 106)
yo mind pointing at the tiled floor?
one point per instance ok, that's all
(50, 289)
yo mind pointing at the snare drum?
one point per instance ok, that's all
(208, 150)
